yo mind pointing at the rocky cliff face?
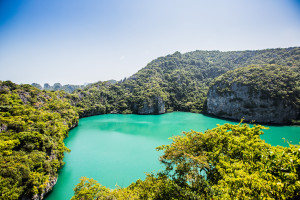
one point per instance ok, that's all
(51, 182)
(89, 113)
(242, 102)
(49, 186)
(156, 106)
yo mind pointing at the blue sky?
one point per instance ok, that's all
(77, 41)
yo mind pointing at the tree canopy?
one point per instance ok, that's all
(227, 162)
(33, 124)
(181, 80)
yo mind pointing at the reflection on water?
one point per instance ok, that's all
(119, 149)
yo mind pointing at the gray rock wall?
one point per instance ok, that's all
(157, 106)
(49, 186)
(241, 102)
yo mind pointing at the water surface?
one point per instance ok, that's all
(117, 149)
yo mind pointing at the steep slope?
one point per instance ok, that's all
(33, 124)
(174, 82)
(266, 94)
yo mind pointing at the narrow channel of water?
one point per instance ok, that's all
(117, 149)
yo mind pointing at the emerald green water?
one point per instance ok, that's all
(119, 149)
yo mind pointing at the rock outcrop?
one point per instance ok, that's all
(242, 103)
(155, 106)
(264, 94)
(49, 186)
(3, 127)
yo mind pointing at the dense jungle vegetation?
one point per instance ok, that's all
(227, 162)
(278, 82)
(33, 125)
(34, 122)
(266, 88)
(181, 80)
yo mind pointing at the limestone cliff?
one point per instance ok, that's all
(155, 106)
(241, 103)
(52, 181)
(248, 93)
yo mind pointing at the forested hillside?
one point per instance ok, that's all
(174, 82)
(33, 125)
(264, 93)
(34, 122)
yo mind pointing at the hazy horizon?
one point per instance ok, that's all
(77, 42)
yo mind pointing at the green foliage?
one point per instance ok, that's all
(153, 187)
(89, 189)
(232, 162)
(227, 162)
(281, 84)
(181, 80)
(273, 81)
(33, 124)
